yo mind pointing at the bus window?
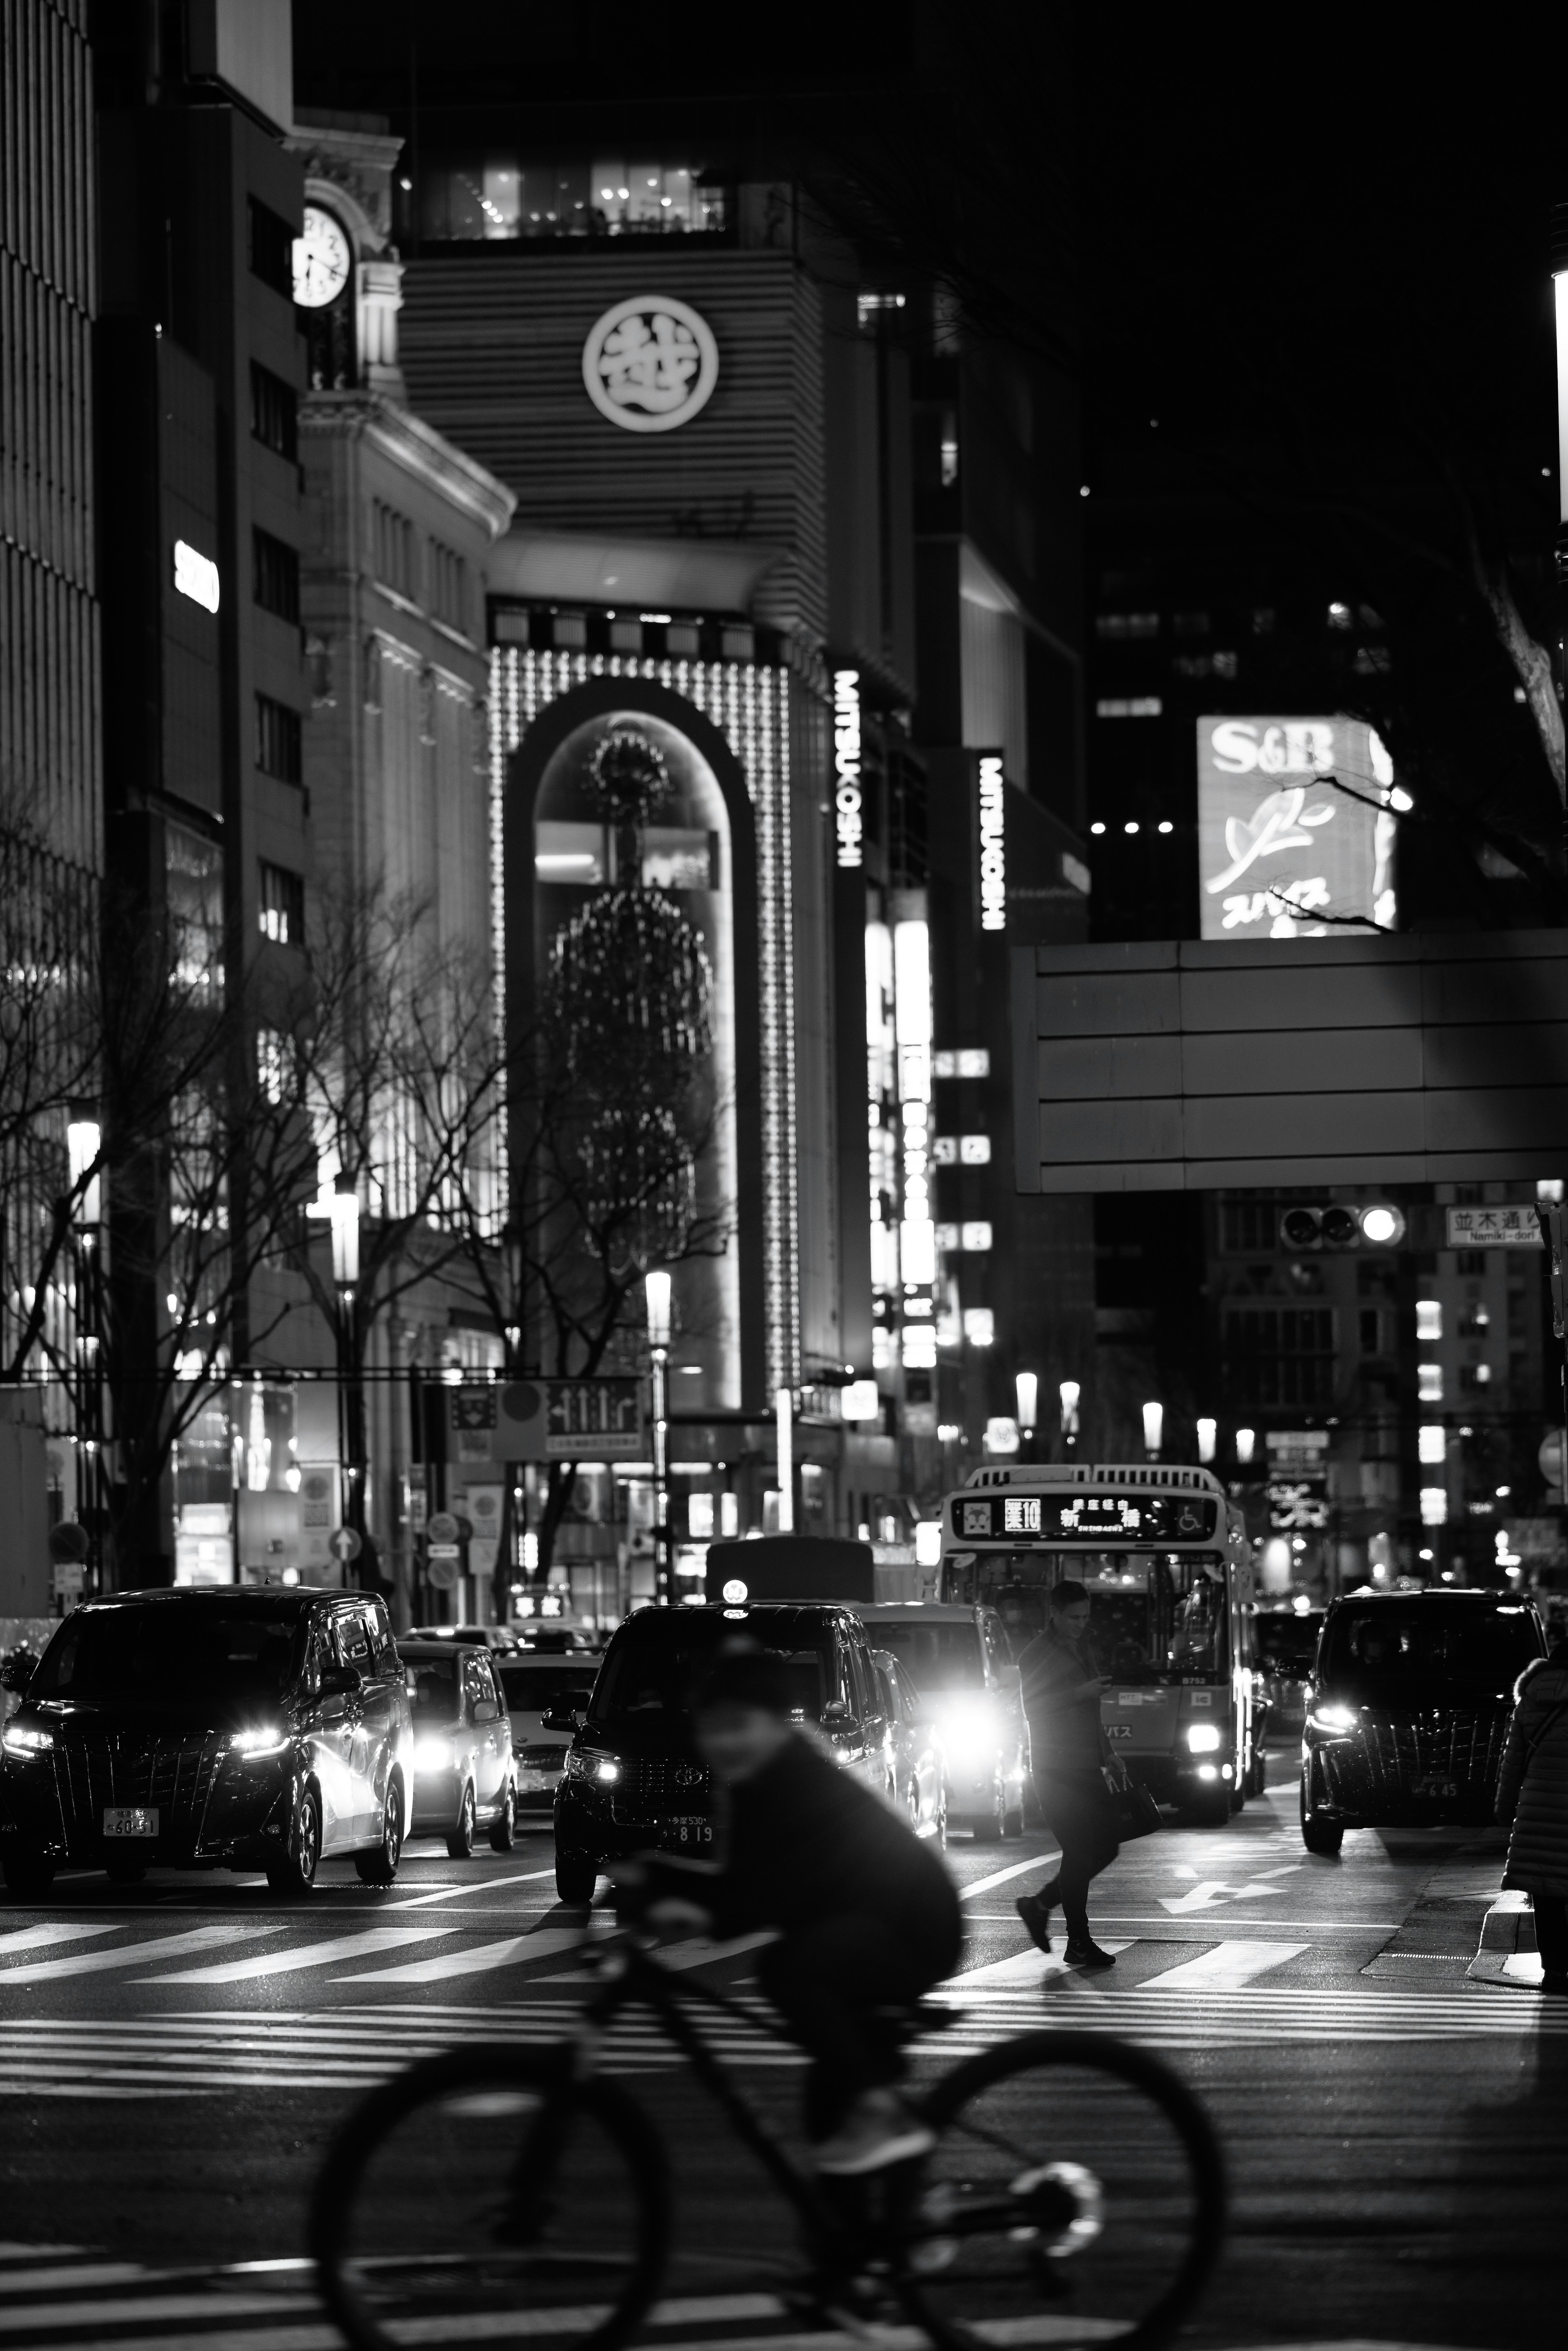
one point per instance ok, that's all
(1154, 1617)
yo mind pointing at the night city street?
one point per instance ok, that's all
(1396, 2136)
(783, 1177)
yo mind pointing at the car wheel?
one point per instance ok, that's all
(28, 1876)
(295, 1875)
(1318, 1834)
(460, 1841)
(576, 1875)
(504, 1835)
(125, 1872)
(379, 1866)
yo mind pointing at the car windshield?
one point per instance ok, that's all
(1288, 1643)
(940, 1656)
(152, 1654)
(432, 1689)
(655, 1664)
(1388, 1650)
(531, 1689)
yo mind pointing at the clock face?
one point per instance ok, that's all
(323, 259)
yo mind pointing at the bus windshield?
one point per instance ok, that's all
(1154, 1617)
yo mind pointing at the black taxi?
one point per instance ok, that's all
(634, 1778)
(1408, 1710)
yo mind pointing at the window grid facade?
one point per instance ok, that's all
(278, 748)
(281, 906)
(395, 552)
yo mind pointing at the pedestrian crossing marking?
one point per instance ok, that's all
(309, 1955)
(1023, 1969)
(477, 1960)
(1226, 1966)
(131, 1955)
(37, 1939)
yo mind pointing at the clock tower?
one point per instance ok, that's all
(348, 278)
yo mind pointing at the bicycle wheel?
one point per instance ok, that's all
(484, 2195)
(1076, 2194)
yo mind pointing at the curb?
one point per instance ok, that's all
(1507, 1954)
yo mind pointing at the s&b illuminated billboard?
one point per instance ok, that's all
(1295, 823)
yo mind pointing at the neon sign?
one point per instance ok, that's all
(847, 765)
(993, 854)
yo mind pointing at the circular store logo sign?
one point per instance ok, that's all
(650, 364)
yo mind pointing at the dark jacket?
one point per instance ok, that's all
(806, 1841)
(1064, 1733)
(1532, 1786)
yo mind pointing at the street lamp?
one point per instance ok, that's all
(784, 1407)
(656, 1288)
(346, 1236)
(1154, 1429)
(1070, 1392)
(1207, 1437)
(1027, 1386)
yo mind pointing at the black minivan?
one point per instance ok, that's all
(634, 1777)
(1408, 1710)
(198, 1730)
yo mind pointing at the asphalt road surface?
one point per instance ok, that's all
(173, 2060)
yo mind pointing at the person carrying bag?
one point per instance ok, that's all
(1532, 1799)
(1072, 1762)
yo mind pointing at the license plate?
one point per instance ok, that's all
(1435, 1788)
(689, 1832)
(131, 1820)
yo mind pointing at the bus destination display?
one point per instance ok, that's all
(1085, 1518)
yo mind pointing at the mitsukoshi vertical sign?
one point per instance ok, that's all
(1295, 828)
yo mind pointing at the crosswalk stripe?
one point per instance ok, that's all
(1024, 1968)
(1226, 1966)
(515, 1951)
(131, 1955)
(56, 2316)
(36, 1939)
(475, 1885)
(699, 1951)
(307, 1955)
(1001, 1876)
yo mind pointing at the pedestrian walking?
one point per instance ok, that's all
(1069, 1751)
(1532, 1795)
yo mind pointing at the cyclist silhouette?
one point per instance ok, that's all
(866, 1914)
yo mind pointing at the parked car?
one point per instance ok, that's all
(961, 1662)
(917, 1780)
(1409, 1708)
(634, 1777)
(537, 1685)
(190, 1729)
(465, 1777)
(1285, 1645)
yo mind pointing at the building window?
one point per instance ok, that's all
(274, 412)
(281, 911)
(394, 553)
(514, 196)
(277, 740)
(276, 1058)
(448, 587)
(1248, 1227)
(1190, 624)
(271, 249)
(274, 576)
(1115, 626)
(1141, 705)
(1428, 1319)
(1279, 1355)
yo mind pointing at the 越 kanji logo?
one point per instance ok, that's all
(650, 364)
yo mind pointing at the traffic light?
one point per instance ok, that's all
(1336, 1227)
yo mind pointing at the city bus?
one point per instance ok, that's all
(1168, 1571)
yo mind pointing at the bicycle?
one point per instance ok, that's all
(1075, 2192)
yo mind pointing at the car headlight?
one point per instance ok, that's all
(432, 1754)
(602, 1768)
(1335, 1719)
(25, 1738)
(268, 1739)
(1203, 1738)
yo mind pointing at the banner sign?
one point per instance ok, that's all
(1295, 823)
(547, 1420)
(1297, 1489)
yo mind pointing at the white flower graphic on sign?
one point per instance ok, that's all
(1275, 823)
(650, 364)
